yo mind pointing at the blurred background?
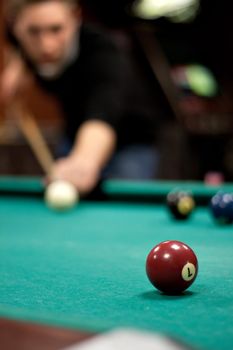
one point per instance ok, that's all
(183, 51)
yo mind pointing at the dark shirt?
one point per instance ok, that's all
(101, 84)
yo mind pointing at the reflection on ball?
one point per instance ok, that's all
(61, 195)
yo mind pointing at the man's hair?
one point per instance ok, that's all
(13, 7)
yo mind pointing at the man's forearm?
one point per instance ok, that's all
(95, 142)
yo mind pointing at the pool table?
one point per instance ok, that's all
(67, 276)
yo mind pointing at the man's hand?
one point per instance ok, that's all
(93, 147)
(77, 170)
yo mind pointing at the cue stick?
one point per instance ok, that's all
(25, 119)
(32, 133)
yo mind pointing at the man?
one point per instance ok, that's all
(90, 77)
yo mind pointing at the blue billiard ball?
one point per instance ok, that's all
(221, 206)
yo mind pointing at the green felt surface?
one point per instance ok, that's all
(21, 184)
(86, 269)
(160, 188)
(120, 187)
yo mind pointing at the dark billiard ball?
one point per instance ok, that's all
(221, 207)
(171, 267)
(180, 204)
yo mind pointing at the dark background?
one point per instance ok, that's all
(206, 39)
(203, 141)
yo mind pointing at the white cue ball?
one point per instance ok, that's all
(61, 195)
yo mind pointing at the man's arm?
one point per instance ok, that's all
(12, 79)
(94, 145)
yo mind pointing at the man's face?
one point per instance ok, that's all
(46, 31)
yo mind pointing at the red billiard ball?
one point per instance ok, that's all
(171, 267)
